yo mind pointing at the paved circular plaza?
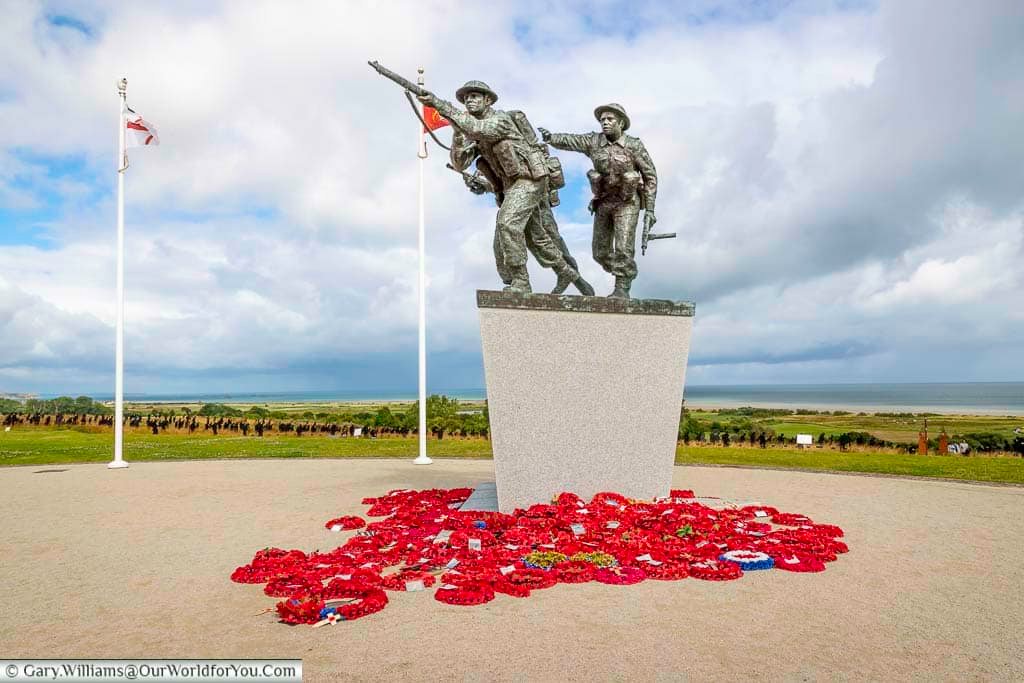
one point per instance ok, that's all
(135, 563)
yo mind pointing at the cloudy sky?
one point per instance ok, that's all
(845, 178)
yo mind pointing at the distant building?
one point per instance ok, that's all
(18, 397)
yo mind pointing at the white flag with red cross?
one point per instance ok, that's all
(139, 132)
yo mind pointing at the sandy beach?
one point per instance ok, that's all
(135, 563)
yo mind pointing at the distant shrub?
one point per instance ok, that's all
(846, 439)
(690, 428)
(983, 441)
(65, 405)
(749, 411)
(740, 424)
(219, 410)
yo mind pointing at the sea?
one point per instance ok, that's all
(981, 398)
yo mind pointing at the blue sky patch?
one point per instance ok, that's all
(69, 22)
(57, 185)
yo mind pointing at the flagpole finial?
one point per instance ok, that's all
(419, 80)
(122, 86)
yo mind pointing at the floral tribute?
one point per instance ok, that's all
(424, 541)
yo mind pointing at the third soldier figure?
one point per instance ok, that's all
(623, 182)
(519, 172)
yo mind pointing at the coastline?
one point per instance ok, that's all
(967, 411)
(1002, 399)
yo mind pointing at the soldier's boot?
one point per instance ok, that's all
(565, 279)
(520, 281)
(585, 287)
(621, 290)
(569, 276)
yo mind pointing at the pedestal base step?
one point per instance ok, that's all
(484, 498)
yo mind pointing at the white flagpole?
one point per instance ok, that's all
(421, 152)
(118, 461)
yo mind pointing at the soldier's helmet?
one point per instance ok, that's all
(615, 109)
(475, 86)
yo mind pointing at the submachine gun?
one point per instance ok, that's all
(648, 236)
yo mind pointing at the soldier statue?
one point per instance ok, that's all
(517, 168)
(623, 182)
(478, 183)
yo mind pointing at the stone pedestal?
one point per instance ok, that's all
(584, 393)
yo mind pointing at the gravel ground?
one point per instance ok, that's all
(135, 563)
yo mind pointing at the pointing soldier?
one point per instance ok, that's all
(517, 169)
(623, 182)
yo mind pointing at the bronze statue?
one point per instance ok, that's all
(513, 164)
(623, 182)
(538, 239)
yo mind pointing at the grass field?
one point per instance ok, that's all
(1003, 469)
(898, 429)
(51, 446)
(38, 446)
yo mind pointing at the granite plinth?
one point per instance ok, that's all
(584, 393)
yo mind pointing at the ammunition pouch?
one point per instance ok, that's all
(507, 158)
(629, 184)
(553, 199)
(621, 187)
(535, 163)
(519, 160)
(556, 179)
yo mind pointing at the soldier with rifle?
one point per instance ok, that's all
(623, 182)
(519, 172)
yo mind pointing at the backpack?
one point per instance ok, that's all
(556, 178)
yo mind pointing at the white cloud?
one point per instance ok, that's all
(845, 184)
(34, 332)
